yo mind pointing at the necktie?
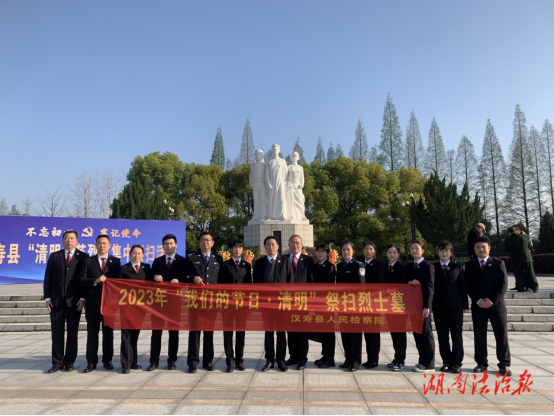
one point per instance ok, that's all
(415, 266)
(367, 263)
(294, 265)
(444, 267)
(168, 263)
(482, 265)
(271, 261)
(136, 268)
(207, 258)
(237, 263)
(103, 264)
(68, 258)
(390, 267)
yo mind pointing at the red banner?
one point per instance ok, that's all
(134, 304)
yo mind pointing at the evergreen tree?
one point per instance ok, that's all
(442, 214)
(228, 164)
(548, 139)
(338, 151)
(492, 170)
(391, 138)
(3, 207)
(374, 155)
(331, 152)
(466, 165)
(546, 234)
(414, 151)
(319, 152)
(247, 150)
(450, 157)
(298, 148)
(435, 158)
(14, 211)
(360, 148)
(139, 200)
(519, 199)
(269, 156)
(538, 154)
(218, 154)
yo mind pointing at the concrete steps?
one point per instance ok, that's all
(526, 312)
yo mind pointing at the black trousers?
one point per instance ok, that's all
(193, 357)
(373, 346)
(525, 276)
(231, 358)
(400, 344)
(156, 346)
(328, 341)
(352, 344)
(58, 317)
(94, 320)
(448, 323)
(425, 343)
(298, 346)
(499, 322)
(129, 340)
(269, 345)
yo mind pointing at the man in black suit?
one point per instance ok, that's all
(64, 300)
(474, 234)
(235, 271)
(134, 270)
(487, 282)
(208, 268)
(171, 268)
(274, 268)
(303, 272)
(95, 271)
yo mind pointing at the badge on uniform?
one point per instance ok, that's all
(77, 253)
(490, 264)
(392, 270)
(110, 261)
(418, 267)
(362, 271)
(448, 268)
(278, 261)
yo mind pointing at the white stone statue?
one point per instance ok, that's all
(257, 182)
(296, 203)
(276, 178)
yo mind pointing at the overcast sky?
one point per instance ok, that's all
(87, 85)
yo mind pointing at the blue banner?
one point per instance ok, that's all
(26, 242)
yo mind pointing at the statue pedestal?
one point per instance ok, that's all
(256, 231)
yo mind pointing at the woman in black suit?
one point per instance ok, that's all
(135, 270)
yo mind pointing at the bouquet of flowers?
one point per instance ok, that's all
(225, 254)
(334, 256)
(248, 256)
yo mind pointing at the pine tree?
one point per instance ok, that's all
(492, 170)
(319, 152)
(3, 207)
(547, 135)
(519, 199)
(331, 152)
(14, 211)
(414, 151)
(360, 148)
(391, 138)
(338, 151)
(139, 200)
(297, 148)
(228, 164)
(538, 154)
(435, 158)
(450, 157)
(546, 234)
(218, 154)
(374, 155)
(247, 150)
(466, 165)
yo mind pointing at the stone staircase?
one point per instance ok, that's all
(526, 312)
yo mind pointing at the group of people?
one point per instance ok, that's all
(74, 281)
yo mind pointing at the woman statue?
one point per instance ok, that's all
(295, 183)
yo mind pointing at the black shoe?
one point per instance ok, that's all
(192, 370)
(240, 367)
(89, 368)
(529, 290)
(55, 369)
(456, 369)
(346, 364)
(125, 371)
(229, 368)
(480, 368)
(514, 288)
(268, 366)
(108, 365)
(171, 365)
(282, 366)
(152, 367)
(136, 367)
(301, 366)
(291, 361)
(317, 362)
(354, 367)
(503, 370)
(326, 364)
(209, 367)
(369, 365)
(69, 368)
(446, 368)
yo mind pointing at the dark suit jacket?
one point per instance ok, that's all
(374, 272)
(324, 273)
(518, 246)
(353, 272)
(129, 272)
(425, 274)
(450, 287)
(90, 272)
(208, 272)
(61, 281)
(304, 269)
(283, 274)
(230, 274)
(490, 283)
(471, 237)
(181, 269)
(398, 273)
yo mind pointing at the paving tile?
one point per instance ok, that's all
(174, 378)
(277, 379)
(160, 394)
(376, 410)
(272, 394)
(390, 379)
(142, 409)
(269, 410)
(206, 409)
(394, 397)
(79, 409)
(104, 394)
(218, 394)
(464, 411)
(336, 410)
(24, 409)
(236, 378)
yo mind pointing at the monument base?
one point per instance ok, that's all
(255, 234)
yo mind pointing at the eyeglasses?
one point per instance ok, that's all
(272, 245)
(202, 240)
